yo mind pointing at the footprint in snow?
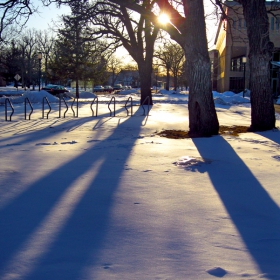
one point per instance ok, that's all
(217, 271)
(15, 144)
(188, 161)
(107, 265)
(276, 157)
(89, 141)
(46, 144)
(72, 142)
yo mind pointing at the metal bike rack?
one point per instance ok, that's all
(7, 100)
(43, 108)
(45, 103)
(62, 98)
(113, 98)
(26, 100)
(96, 107)
(148, 97)
(76, 107)
(125, 106)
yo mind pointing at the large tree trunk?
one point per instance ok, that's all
(145, 67)
(262, 108)
(145, 85)
(203, 121)
(262, 114)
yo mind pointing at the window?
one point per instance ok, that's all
(272, 23)
(236, 64)
(236, 84)
(277, 23)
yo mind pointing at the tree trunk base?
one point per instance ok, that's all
(259, 128)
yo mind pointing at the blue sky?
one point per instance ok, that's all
(43, 20)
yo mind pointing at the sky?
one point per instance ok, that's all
(44, 19)
(47, 15)
(108, 198)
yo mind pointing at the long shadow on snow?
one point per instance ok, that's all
(272, 135)
(56, 124)
(254, 213)
(40, 241)
(52, 126)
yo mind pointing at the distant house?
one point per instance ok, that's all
(232, 51)
(127, 78)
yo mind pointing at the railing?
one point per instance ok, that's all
(77, 107)
(113, 98)
(7, 100)
(26, 100)
(62, 98)
(96, 106)
(143, 103)
(125, 106)
(43, 108)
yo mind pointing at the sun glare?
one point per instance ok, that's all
(163, 18)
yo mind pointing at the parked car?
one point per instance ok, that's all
(108, 89)
(55, 89)
(118, 87)
(98, 89)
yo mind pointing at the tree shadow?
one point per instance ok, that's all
(57, 226)
(19, 129)
(251, 209)
(273, 135)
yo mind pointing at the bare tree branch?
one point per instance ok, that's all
(15, 13)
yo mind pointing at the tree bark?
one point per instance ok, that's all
(203, 121)
(190, 32)
(145, 84)
(260, 53)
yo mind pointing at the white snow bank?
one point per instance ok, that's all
(33, 96)
(83, 94)
(162, 95)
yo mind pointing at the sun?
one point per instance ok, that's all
(163, 18)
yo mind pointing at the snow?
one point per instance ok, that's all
(107, 198)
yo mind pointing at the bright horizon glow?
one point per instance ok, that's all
(163, 18)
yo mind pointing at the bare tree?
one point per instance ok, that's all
(45, 45)
(260, 54)
(28, 46)
(172, 57)
(134, 32)
(114, 66)
(164, 59)
(187, 28)
(15, 13)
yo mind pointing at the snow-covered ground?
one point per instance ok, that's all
(107, 198)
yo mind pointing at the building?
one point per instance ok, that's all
(125, 78)
(232, 69)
